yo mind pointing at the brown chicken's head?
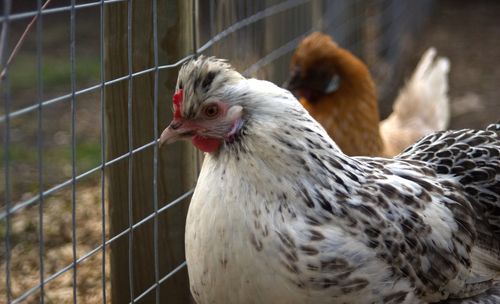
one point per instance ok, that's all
(313, 69)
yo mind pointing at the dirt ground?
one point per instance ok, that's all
(468, 33)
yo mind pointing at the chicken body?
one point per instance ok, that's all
(349, 110)
(281, 215)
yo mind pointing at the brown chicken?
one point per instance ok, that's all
(338, 91)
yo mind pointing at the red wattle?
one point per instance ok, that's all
(206, 144)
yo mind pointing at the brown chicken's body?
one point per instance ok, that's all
(351, 124)
(338, 91)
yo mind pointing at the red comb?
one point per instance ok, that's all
(177, 100)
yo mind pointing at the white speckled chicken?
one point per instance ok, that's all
(281, 215)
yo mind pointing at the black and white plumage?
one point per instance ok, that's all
(281, 215)
(490, 296)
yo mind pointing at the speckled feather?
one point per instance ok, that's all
(281, 215)
(491, 296)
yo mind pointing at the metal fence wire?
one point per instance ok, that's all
(92, 210)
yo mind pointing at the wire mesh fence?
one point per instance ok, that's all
(93, 211)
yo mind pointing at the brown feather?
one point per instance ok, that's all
(350, 114)
(338, 91)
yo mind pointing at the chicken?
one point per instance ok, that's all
(338, 91)
(281, 215)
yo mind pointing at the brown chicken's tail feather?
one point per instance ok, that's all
(426, 93)
(422, 106)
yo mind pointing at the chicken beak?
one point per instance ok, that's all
(172, 133)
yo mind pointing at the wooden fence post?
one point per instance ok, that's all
(176, 169)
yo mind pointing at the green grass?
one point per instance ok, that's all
(55, 71)
(88, 155)
(57, 166)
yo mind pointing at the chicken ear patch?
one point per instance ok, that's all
(177, 101)
(333, 85)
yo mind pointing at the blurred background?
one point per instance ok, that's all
(90, 210)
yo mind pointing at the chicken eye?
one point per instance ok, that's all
(211, 111)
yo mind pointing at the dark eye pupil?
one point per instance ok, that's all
(211, 111)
